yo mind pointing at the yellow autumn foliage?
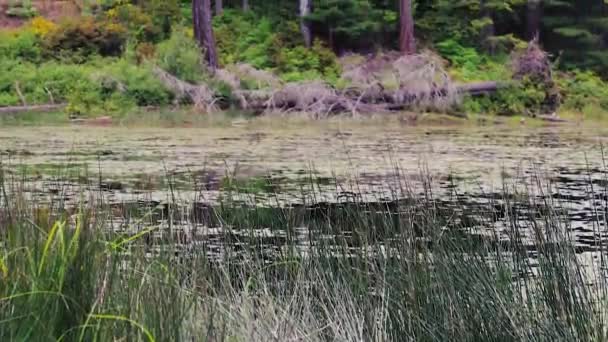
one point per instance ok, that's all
(42, 26)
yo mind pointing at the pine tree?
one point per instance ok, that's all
(578, 30)
(533, 19)
(407, 41)
(219, 7)
(348, 23)
(203, 31)
(305, 10)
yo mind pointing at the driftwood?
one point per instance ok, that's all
(401, 82)
(551, 118)
(322, 100)
(200, 95)
(478, 88)
(32, 108)
(315, 98)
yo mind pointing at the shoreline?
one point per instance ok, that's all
(189, 118)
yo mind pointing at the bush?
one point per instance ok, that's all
(265, 47)
(21, 44)
(300, 63)
(181, 56)
(468, 65)
(580, 89)
(41, 26)
(164, 13)
(140, 26)
(100, 86)
(39, 84)
(78, 39)
(515, 99)
(256, 39)
(23, 10)
(137, 83)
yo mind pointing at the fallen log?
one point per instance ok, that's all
(478, 88)
(552, 118)
(321, 99)
(200, 95)
(32, 108)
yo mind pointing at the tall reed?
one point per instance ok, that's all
(404, 269)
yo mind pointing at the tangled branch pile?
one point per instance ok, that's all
(200, 95)
(381, 84)
(533, 65)
(423, 83)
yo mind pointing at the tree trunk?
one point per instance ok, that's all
(245, 5)
(219, 7)
(533, 19)
(407, 41)
(305, 9)
(203, 31)
(488, 31)
(196, 21)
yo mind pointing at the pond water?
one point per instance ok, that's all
(371, 161)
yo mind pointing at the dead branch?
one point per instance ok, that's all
(201, 96)
(31, 108)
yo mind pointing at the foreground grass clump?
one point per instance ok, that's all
(397, 270)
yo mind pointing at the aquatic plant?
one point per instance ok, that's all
(407, 268)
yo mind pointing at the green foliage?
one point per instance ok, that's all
(39, 84)
(577, 30)
(181, 56)
(265, 47)
(20, 45)
(140, 26)
(525, 98)
(469, 65)
(24, 9)
(580, 89)
(68, 276)
(300, 63)
(165, 14)
(473, 36)
(464, 21)
(352, 23)
(100, 86)
(255, 42)
(78, 39)
(137, 83)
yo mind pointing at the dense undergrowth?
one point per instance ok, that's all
(401, 270)
(102, 63)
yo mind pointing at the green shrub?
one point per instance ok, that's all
(137, 83)
(468, 65)
(181, 56)
(77, 40)
(300, 63)
(83, 97)
(241, 37)
(580, 89)
(266, 47)
(39, 84)
(22, 10)
(164, 13)
(140, 25)
(20, 44)
(516, 99)
(101, 86)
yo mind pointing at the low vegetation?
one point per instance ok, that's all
(103, 63)
(403, 269)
